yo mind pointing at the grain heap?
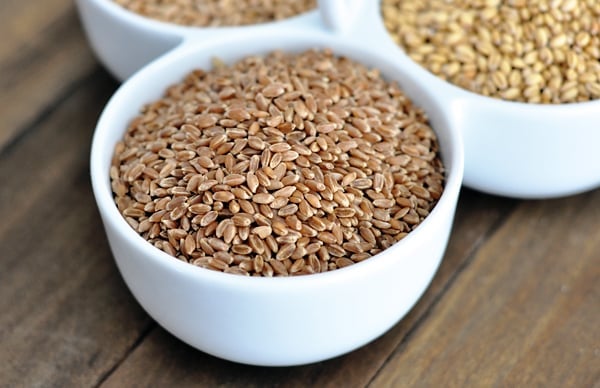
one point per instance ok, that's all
(543, 51)
(215, 13)
(278, 165)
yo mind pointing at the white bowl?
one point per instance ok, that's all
(273, 321)
(512, 149)
(125, 41)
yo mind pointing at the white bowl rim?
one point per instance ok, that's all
(523, 107)
(140, 21)
(105, 202)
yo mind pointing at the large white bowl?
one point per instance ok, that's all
(273, 321)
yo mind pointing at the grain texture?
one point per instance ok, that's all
(215, 13)
(369, 162)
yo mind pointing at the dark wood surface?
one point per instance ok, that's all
(516, 301)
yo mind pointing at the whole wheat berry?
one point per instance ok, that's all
(331, 166)
(544, 51)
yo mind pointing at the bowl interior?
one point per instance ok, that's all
(150, 83)
(129, 16)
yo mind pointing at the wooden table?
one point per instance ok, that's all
(515, 302)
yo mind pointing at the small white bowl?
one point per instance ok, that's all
(273, 321)
(125, 41)
(512, 149)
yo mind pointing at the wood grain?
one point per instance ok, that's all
(67, 318)
(524, 313)
(42, 57)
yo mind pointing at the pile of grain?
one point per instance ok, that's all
(543, 51)
(278, 165)
(214, 13)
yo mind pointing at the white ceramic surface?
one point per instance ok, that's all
(273, 321)
(125, 41)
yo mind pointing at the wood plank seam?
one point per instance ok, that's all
(152, 325)
(30, 127)
(447, 286)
